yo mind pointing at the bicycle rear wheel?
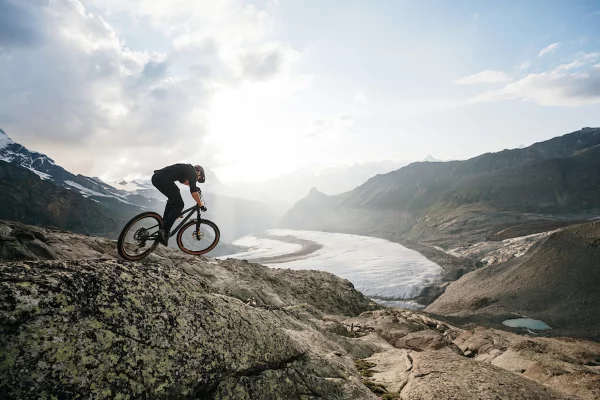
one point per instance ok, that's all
(198, 241)
(139, 237)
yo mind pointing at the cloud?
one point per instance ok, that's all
(525, 65)
(262, 66)
(569, 84)
(581, 59)
(155, 69)
(571, 65)
(588, 56)
(549, 49)
(484, 77)
(551, 89)
(19, 25)
(70, 87)
(82, 87)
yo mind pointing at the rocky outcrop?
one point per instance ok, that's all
(422, 357)
(234, 278)
(556, 281)
(106, 329)
(76, 322)
(498, 252)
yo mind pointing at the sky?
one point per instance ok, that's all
(256, 89)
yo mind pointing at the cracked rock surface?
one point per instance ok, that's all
(75, 322)
(422, 357)
(109, 329)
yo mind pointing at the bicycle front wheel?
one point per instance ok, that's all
(139, 237)
(198, 240)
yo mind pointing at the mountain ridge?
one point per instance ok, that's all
(27, 197)
(236, 217)
(437, 200)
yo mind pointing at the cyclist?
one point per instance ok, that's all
(164, 180)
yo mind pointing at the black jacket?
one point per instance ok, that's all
(181, 173)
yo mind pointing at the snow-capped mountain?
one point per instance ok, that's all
(130, 186)
(17, 154)
(47, 169)
(431, 158)
(236, 217)
(143, 187)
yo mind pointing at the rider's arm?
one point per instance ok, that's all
(195, 194)
(191, 182)
(192, 178)
(196, 197)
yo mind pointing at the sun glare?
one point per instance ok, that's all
(252, 132)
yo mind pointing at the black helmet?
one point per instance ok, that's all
(200, 173)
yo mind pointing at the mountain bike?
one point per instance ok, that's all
(140, 235)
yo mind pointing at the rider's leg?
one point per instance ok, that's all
(174, 211)
(168, 207)
(174, 201)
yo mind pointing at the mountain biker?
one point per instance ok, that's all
(164, 180)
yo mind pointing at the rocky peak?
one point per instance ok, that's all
(430, 158)
(5, 140)
(314, 192)
(2, 133)
(48, 170)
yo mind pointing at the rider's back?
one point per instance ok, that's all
(178, 172)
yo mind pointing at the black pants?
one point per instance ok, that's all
(174, 203)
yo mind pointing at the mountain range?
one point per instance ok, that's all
(283, 191)
(526, 190)
(37, 190)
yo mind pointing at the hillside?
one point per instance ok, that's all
(25, 197)
(556, 281)
(549, 183)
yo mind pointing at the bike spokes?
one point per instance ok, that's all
(139, 237)
(198, 238)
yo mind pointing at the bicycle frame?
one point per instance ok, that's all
(195, 208)
(191, 210)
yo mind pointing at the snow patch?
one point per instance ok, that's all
(127, 186)
(492, 252)
(42, 175)
(85, 192)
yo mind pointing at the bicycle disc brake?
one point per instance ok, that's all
(198, 235)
